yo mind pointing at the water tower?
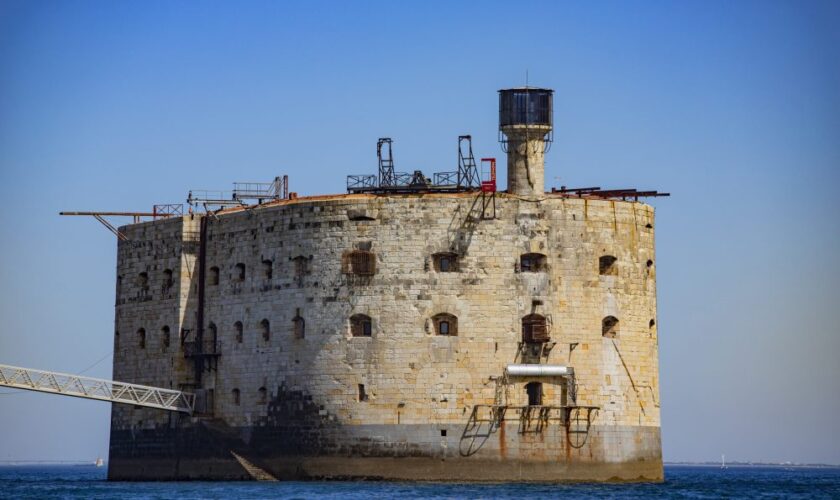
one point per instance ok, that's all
(525, 131)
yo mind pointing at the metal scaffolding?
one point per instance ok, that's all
(94, 388)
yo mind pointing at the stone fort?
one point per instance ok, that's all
(410, 329)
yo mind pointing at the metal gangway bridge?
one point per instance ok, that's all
(94, 388)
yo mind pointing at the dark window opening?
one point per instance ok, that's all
(535, 329)
(443, 433)
(445, 262)
(360, 263)
(532, 263)
(262, 396)
(167, 279)
(301, 266)
(212, 331)
(213, 276)
(268, 269)
(239, 272)
(649, 263)
(609, 327)
(361, 325)
(143, 280)
(652, 324)
(535, 393)
(362, 394)
(166, 336)
(265, 329)
(607, 265)
(141, 338)
(236, 399)
(237, 332)
(445, 324)
(299, 325)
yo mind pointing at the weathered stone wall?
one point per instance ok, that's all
(421, 387)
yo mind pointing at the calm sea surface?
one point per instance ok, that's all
(681, 482)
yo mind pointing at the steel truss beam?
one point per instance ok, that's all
(94, 388)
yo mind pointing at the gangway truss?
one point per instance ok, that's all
(94, 388)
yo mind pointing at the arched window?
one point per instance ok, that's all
(166, 336)
(262, 396)
(143, 280)
(445, 324)
(212, 331)
(141, 338)
(167, 279)
(359, 262)
(239, 272)
(301, 266)
(361, 325)
(445, 262)
(235, 394)
(237, 332)
(268, 269)
(609, 327)
(535, 329)
(265, 329)
(535, 393)
(299, 325)
(532, 263)
(607, 265)
(213, 276)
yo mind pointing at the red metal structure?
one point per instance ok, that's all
(489, 186)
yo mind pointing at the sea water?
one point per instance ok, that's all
(88, 482)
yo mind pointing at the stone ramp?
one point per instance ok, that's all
(255, 472)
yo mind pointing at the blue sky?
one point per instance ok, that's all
(734, 107)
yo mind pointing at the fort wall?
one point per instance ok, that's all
(295, 391)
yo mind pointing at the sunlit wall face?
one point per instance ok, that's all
(733, 108)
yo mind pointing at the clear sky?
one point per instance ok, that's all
(734, 107)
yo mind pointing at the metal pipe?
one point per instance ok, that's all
(539, 371)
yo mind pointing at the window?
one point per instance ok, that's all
(143, 280)
(649, 263)
(268, 269)
(535, 393)
(445, 324)
(301, 266)
(359, 262)
(213, 276)
(532, 263)
(235, 394)
(141, 338)
(167, 279)
(265, 329)
(212, 331)
(534, 329)
(299, 325)
(609, 327)
(445, 262)
(165, 336)
(361, 325)
(607, 265)
(262, 396)
(237, 332)
(362, 394)
(239, 272)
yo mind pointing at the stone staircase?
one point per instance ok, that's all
(255, 472)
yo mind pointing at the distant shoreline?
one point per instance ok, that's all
(753, 464)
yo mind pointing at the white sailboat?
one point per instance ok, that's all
(723, 461)
(99, 462)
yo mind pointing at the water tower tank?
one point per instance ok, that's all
(526, 106)
(526, 119)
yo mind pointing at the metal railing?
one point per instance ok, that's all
(446, 178)
(94, 388)
(355, 182)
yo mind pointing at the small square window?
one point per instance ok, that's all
(444, 328)
(443, 433)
